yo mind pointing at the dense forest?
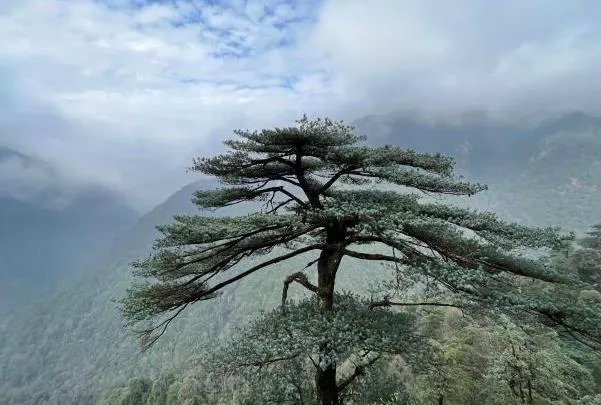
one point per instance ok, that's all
(526, 333)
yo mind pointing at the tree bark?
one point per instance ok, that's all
(327, 390)
(327, 266)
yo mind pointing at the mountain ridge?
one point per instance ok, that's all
(42, 244)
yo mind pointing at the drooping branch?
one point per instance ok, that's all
(300, 278)
(147, 338)
(221, 259)
(451, 245)
(154, 302)
(265, 264)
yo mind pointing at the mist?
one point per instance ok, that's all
(126, 95)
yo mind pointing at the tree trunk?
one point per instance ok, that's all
(325, 382)
(327, 266)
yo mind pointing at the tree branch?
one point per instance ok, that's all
(147, 339)
(279, 159)
(300, 278)
(303, 183)
(375, 256)
(282, 190)
(387, 303)
(243, 253)
(411, 254)
(274, 209)
(335, 178)
(359, 371)
(260, 266)
(266, 362)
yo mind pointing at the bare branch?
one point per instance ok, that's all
(266, 362)
(359, 371)
(375, 256)
(147, 339)
(260, 266)
(387, 303)
(300, 278)
(335, 177)
(275, 209)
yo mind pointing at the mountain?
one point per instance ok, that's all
(49, 230)
(71, 347)
(135, 240)
(553, 164)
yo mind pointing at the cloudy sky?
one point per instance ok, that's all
(126, 92)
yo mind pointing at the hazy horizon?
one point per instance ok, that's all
(123, 94)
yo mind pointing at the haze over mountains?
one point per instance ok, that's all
(50, 230)
(70, 346)
(559, 155)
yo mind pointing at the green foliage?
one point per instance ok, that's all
(136, 393)
(334, 337)
(587, 259)
(502, 363)
(534, 368)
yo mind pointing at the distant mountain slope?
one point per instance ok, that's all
(136, 239)
(562, 179)
(548, 173)
(47, 231)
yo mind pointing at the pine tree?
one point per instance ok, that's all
(327, 193)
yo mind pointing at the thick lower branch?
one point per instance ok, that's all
(265, 244)
(266, 362)
(262, 265)
(375, 256)
(359, 371)
(300, 278)
(388, 303)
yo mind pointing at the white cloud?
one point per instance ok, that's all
(127, 95)
(458, 55)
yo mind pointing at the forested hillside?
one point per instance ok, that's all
(553, 164)
(49, 233)
(72, 348)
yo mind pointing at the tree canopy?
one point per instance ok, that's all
(328, 195)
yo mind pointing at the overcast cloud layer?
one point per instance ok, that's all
(126, 92)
